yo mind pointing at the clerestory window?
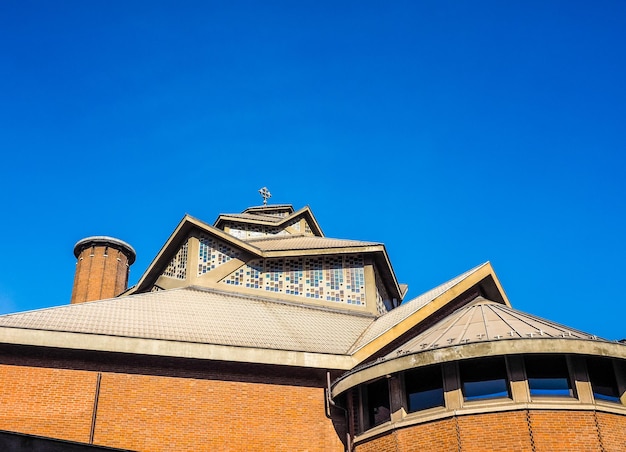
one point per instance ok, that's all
(424, 388)
(602, 378)
(484, 378)
(548, 375)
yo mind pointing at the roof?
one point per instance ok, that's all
(203, 316)
(205, 323)
(266, 215)
(484, 320)
(408, 308)
(478, 329)
(267, 247)
(303, 242)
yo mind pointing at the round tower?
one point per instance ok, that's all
(102, 268)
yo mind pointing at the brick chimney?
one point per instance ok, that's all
(102, 268)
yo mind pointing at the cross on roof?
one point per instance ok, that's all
(265, 193)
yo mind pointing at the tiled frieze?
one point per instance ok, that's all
(212, 253)
(177, 267)
(338, 279)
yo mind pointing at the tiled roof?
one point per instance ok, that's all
(406, 309)
(302, 242)
(203, 316)
(483, 321)
(249, 216)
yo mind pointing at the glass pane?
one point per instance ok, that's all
(484, 378)
(425, 399)
(603, 381)
(474, 390)
(548, 375)
(549, 386)
(424, 388)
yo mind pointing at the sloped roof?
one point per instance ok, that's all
(478, 329)
(264, 247)
(262, 215)
(408, 308)
(258, 217)
(484, 320)
(303, 242)
(203, 316)
(212, 324)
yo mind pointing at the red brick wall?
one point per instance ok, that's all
(485, 432)
(556, 430)
(164, 413)
(612, 431)
(157, 413)
(552, 431)
(152, 412)
(47, 402)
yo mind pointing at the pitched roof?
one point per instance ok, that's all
(408, 308)
(262, 215)
(207, 323)
(304, 242)
(484, 320)
(203, 316)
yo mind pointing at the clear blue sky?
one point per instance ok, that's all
(454, 132)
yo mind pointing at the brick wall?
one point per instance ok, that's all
(159, 413)
(164, 413)
(520, 431)
(47, 402)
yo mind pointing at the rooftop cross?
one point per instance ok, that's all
(265, 193)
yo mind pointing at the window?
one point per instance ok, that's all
(484, 378)
(548, 376)
(424, 388)
(603, 381)
(377, 405)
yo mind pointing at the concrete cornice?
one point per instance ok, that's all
(154, 347)
(499, 347)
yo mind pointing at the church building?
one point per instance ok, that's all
(260, 333)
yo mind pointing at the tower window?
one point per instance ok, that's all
(603, 381)
(548, 376)
(484, 378)
(424, 388)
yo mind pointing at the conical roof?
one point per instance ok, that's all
(484, 320)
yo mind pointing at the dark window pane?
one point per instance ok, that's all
(378, 402)
(603, 381)
(424, 388)
(548, 375)
(485, 389)
(484, 378)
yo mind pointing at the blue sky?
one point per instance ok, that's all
(454, 132)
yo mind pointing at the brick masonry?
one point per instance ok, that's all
(101, 272)
(163, 413)
(520, 431)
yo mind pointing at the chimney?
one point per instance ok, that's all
(102, 268)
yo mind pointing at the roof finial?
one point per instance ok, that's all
(265, 193)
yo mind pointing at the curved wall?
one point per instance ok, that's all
(522, 430)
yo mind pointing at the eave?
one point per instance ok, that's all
(168, 348)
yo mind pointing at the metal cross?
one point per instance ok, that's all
(265, 193)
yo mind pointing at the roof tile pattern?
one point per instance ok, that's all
(302, 242)
(203, 316)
